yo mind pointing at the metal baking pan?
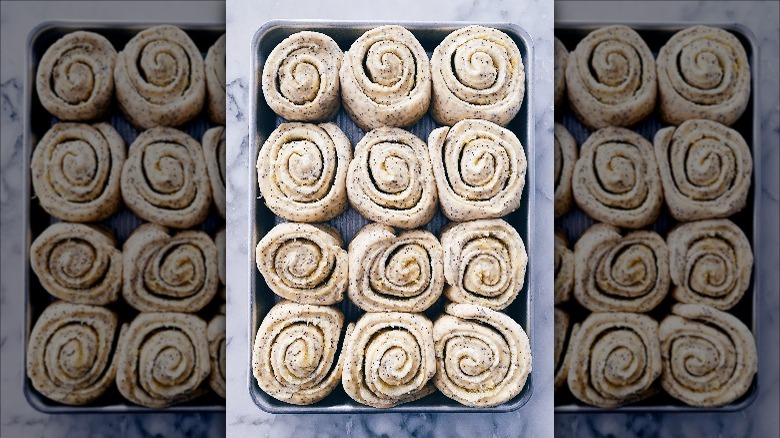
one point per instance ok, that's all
(263, 121)
(37, 122)
(575, 223)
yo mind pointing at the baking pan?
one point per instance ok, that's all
(575, 223)
(37, 122)
(262, 121)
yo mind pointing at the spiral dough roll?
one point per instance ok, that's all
(389, 359)
(709, 356)
(564, 333)
(483, 357)
(616, 179)
(302, 171)
(484, 263)
(559, 68)
(165, 179)
(160, 78)
(78, 263)
(711, 262)
(564, 268)
(479, 168)
(215, 66)
(386, 78)
(390, 180)
(304, 263)
(705, 169)
(611, 78)
(566, 155)
(301, 77)
(294, 355)
(620, 273)
(477, 73)
(169, 272)
(214, 152)
(703, 73)
(163, 359)
(389, 271)
(216, 338)
(76, 170)
(219, 240)
(615, 358)
(69, 352)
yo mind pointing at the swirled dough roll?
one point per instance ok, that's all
(166, 272)
(385, 78)
(219, 240)
(564, 333)
(294, 354)
(566, 154)
(389, 359)
(615, 273)
(611, 78)
(390, 271)
(705, 169)
(165, 179)
(564, 267)
(703, 73)
(484, 263)
(615, 358)
(477, 73)
(78, 263)
(69, 352)
(559, 69)
(302, 171)
(616, 179)
(163, 359)
(483, 357)
(709, 356)
(159, 78)
(304, 263)
(301, 77)
(390, 179)
(214, 152)
(216, 337)
(75, 170)
(710, 263)
(479, 169)
(214, 67)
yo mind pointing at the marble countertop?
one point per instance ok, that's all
(244, 418)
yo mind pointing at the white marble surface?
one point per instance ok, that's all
(244, 17)
(761, 418)
(18, 418)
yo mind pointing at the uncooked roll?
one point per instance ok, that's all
(302, 171)
(566, 154)
(216, 337)
(304, 263)
(477, 73)
(390, 271)
(703, 73)
(611, 78)
(69, 352)
(160, 78)
(710, 263)
(215, 66)
(484, 263)
(564, 268)
(301, 77)
(479, 168)
(219, 240)
(559, 69)
(389, 359)
(709, 356)
(616, 179)
(615, 358)
(385, 78)
(78, 263)
(75, 171)
(294, 355)
(564, 333)
(483, 357)
(75, 76)
(615, 273)
(705, 169)
(214, 152)
(163, 359)
(165, 272)
(390, 179)
(165, 179)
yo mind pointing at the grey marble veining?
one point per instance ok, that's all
(244, 418)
